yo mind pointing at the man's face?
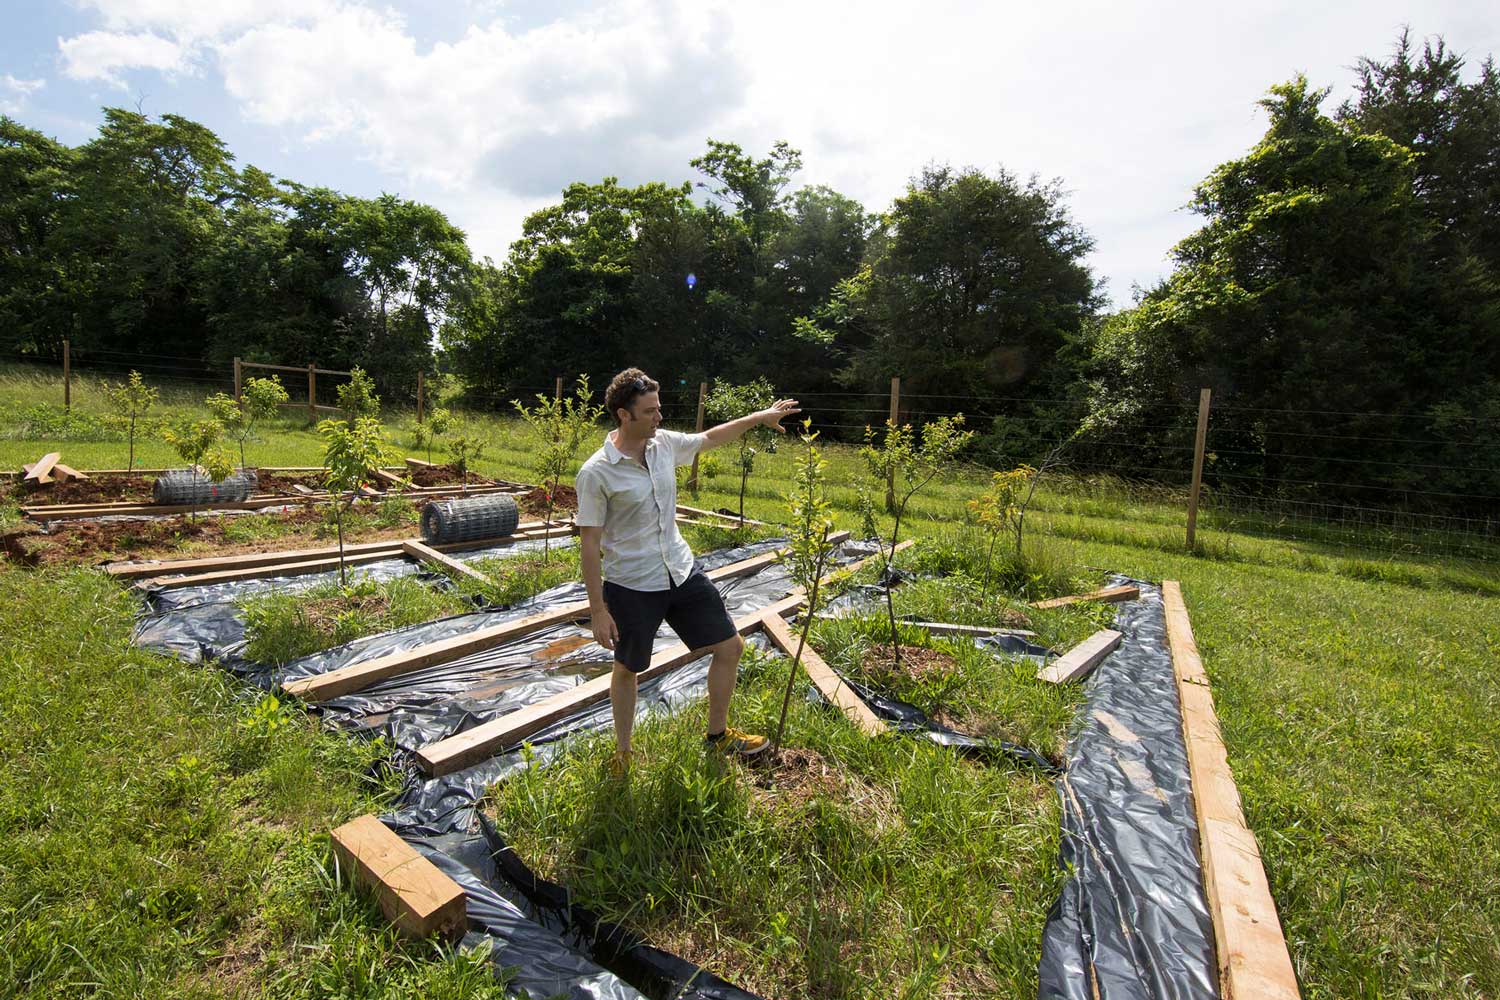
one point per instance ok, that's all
(643, 417)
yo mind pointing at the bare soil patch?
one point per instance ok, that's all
(534, 504)
(443, 475)
(101, 489)
(916, 661)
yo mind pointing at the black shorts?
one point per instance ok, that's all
(694, 610)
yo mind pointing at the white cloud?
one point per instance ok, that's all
(101, 55)
(1129, 104)
(14, 92)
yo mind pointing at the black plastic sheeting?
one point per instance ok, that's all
(1132, 922)
(1125, 923)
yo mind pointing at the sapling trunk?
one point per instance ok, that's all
(984, 588)
(130, 464)
(338, 521)
(812, 606)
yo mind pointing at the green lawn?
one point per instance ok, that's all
(153, 840)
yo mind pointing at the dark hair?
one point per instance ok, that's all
(625, 387)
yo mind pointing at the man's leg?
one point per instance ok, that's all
(622, 684)
(723, 669)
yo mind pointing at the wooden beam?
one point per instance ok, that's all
(68, 472)
(829, 683)
(357, 676)
(1078, 662)
(446, 563)
(416, 464)
(1109, 595)
(481, 742)
(136, 570)
(946, 628)
(302, 568)
(388, 478)
(1253, 960)
(733, 519)
(40, 471)
(412, 892)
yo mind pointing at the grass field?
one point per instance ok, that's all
(163, 835)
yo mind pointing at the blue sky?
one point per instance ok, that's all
(487, 108)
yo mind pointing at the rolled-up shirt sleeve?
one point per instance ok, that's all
(592, 504)
(685, 447)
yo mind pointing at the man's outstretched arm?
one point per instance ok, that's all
(734, 429)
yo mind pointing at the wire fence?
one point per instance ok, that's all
(1341, 479)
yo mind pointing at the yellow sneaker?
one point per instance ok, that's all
(618, 766)
(737, 741)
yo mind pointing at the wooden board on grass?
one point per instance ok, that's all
(444, 562)
(68, 472)
(1254, 963)
(484, 741)
(1109, 595)
(412, 892)
(824, 678)
(1078, 662)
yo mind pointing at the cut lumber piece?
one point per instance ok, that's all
(417, 464)
(828, 683)
(481, 742)
(947, 628)
(1109, 595)
(1076, 663)
(68, 472)
(1253, 960)
(412, 892)
(432, 556)
(683, 508)
(387, 478)
(357, 676)
(302, 568)
(40, 471)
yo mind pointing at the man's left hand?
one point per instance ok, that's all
(779, 411)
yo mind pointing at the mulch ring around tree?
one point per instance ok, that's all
(916, 662)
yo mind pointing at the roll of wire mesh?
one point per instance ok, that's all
(189, 486)
(466, 519)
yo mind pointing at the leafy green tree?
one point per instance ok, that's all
(259, 400)
(560, 425)
(807, 550)
(130, 401)
(464, 449)
(351, 448)
(439, 421)
(911, 462)
(998, 509)
(200, 444)
(751, 188)
(975, 283)
(728, 401)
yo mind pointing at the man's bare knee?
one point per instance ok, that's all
(731, 647)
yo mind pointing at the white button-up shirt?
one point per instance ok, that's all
(636, 505)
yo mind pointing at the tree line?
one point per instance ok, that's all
(1349, 263)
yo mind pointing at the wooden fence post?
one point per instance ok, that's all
(236, 380)
(557, 392)
(890, 480)
(419, 397)
(693, 476)
(67, 376)
(1202, 439)
(312, 394)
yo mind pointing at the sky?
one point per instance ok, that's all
(486, 109)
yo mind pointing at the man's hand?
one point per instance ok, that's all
(605, 632)
(779, 411)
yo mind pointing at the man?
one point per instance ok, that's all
(627, 506)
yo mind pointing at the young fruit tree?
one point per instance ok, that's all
(910, 463)
(807, 550)
(198, 442)
(728, 402)
(463, 451)
(351, 448)
(560, 424)
(439, 421)
(357, 398)
(258, 401)
(998, 509)
(130, 401)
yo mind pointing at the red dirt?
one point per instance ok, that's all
(100, 489)
(443, 475)
(534, 504)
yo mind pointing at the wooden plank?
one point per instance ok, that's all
(1076, 663)
(388, 478)
(474, 745)
(1108, 595)
(40, 471)
(358, 676)
(1253, 959)
(429, 555)
(412, 892)
(828, 682)
(265, 572)
(417, 464)
(68, 472)
(683, 508)
(946, 628)
(484, 741)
